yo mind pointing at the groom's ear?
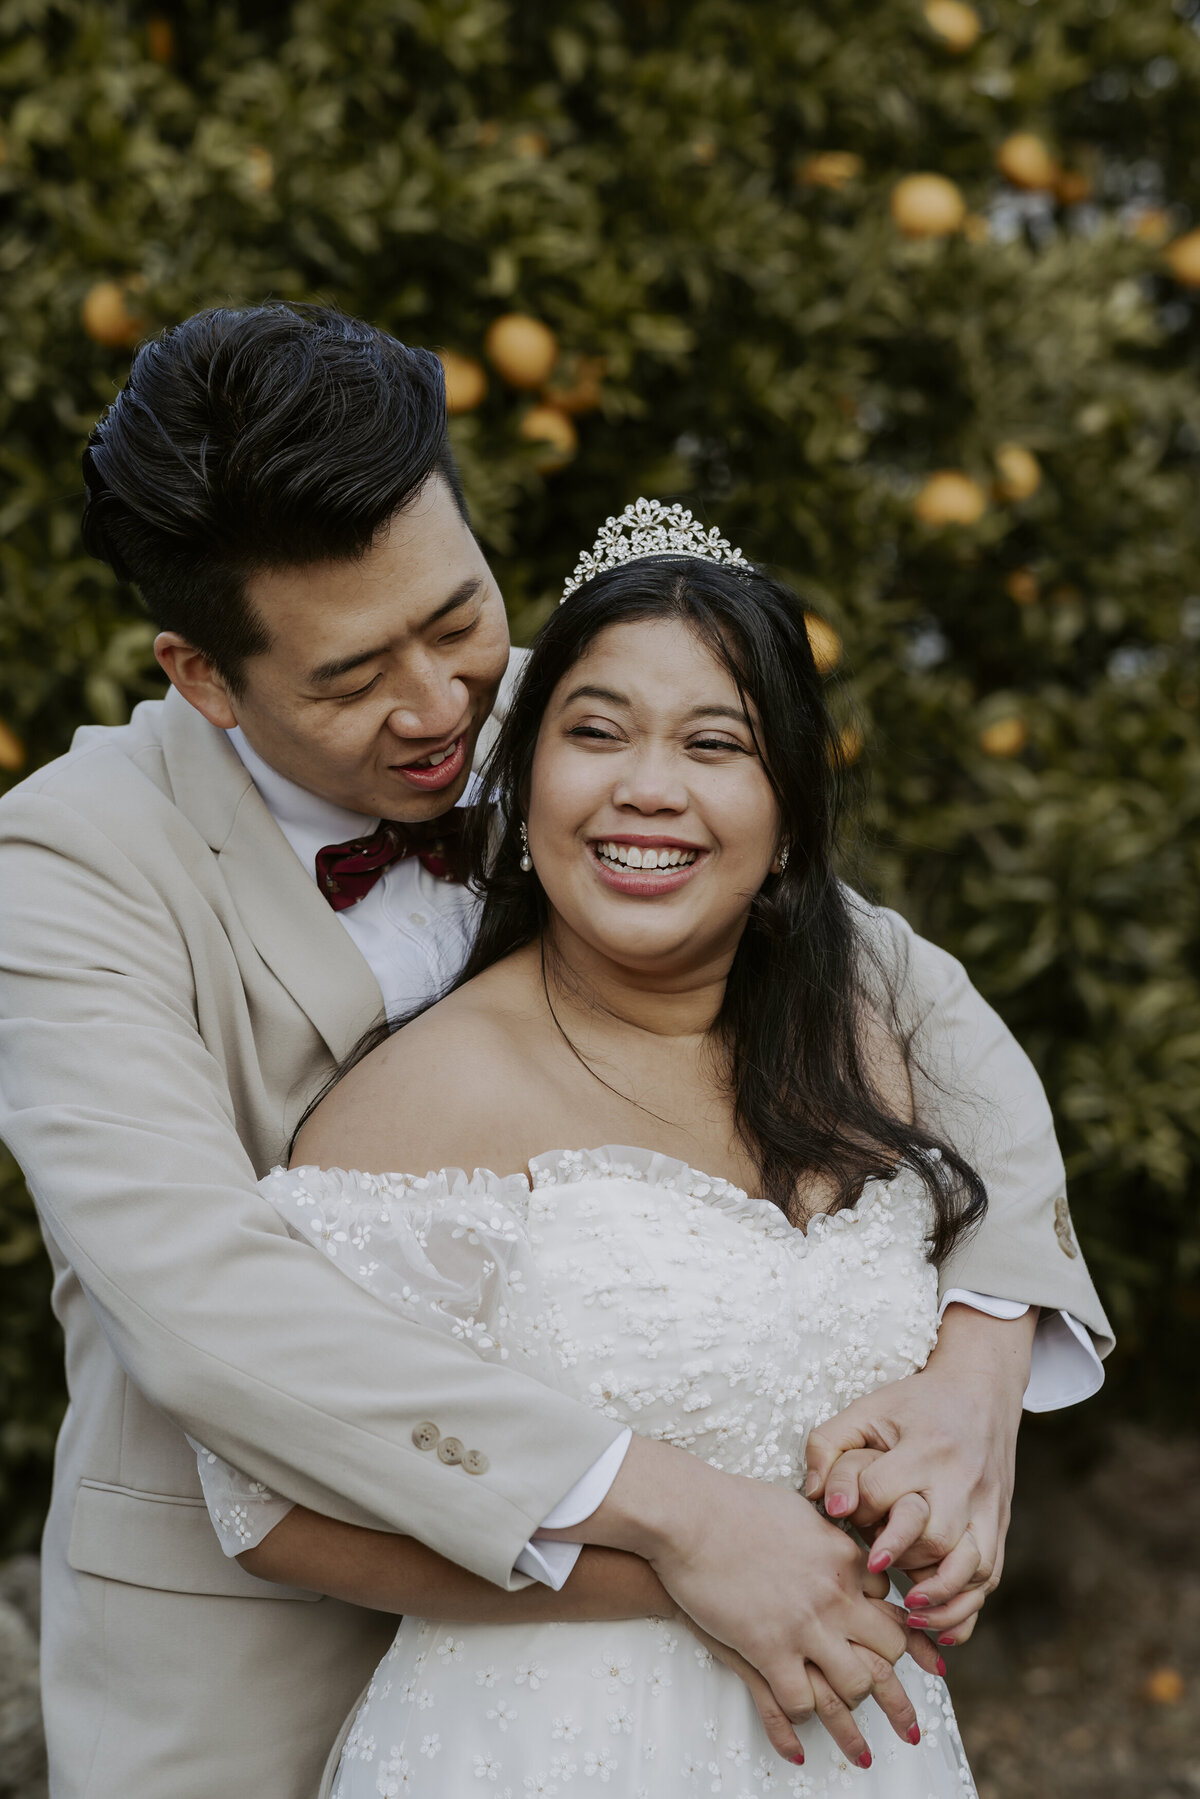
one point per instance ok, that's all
(191, 672)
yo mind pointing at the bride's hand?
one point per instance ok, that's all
(792, 1594)
(836, 1717)
(930, 1461)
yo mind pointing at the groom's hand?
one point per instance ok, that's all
(758, 1569)
(925, 1466)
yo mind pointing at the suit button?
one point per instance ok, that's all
(475, 1462)
(450, 1451)
(426, 1436)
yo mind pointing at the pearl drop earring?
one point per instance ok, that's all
(526, 863)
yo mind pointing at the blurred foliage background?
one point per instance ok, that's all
(902, 295)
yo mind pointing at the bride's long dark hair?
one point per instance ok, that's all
(805, 977)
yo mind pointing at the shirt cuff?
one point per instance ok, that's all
(1064, 1368)
(552, 1562)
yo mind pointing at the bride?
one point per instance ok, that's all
(666, 966)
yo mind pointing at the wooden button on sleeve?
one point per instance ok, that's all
(450, 1451)
(426, 1436)
(475, 1462)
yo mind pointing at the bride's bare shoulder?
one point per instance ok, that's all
(434, 1094)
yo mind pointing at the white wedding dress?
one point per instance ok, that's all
(675, 1304)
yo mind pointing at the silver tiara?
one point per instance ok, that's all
(653, 530)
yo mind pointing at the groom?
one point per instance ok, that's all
(202, 914)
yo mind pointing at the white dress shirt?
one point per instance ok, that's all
(414, 932)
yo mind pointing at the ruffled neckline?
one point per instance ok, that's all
(562, 1168)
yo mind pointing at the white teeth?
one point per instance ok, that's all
(437, 758)
(627, 855)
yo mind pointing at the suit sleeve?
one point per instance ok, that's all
(975, 1086)
(123, 1123)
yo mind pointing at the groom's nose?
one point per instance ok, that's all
(430, 709)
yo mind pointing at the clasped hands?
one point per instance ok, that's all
(924, 1470)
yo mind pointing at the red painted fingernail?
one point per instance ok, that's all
(878, 1561)
(917, 1623)
(913, 1734)
(798, 1758)
(837, 1505)
(941, 1666)
(864, 1760)
(917, 1600)
(946, 1642)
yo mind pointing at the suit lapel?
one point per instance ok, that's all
(292, 928)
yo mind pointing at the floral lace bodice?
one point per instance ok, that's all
(667, 1299)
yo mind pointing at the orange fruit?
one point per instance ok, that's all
(160, 40)
(12, 750)
(830, 168)
(824, 642)
(260, 169)
(956, 24)
(1163, 1687)
(547, 426)
(927, 206)
(466, 382)
(521, 349)
(1022, 586)
(1018, 470)
(580, 389)
(849, 745)
(1072, 187)
(106, 315)
(950, 497)
(1025, 160)
(1004, 737)
(1183, 258)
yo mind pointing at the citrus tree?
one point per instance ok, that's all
(900, 295)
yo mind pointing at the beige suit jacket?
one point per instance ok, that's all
(172, 991)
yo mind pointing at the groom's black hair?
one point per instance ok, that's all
(257, 437)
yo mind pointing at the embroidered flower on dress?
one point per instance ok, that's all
(615, 1671)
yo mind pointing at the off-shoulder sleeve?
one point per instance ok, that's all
(447, 1251)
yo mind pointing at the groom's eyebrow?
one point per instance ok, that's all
(344, 665)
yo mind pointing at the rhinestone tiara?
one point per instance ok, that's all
(653, 530)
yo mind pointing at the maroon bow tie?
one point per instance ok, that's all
(346, 872)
